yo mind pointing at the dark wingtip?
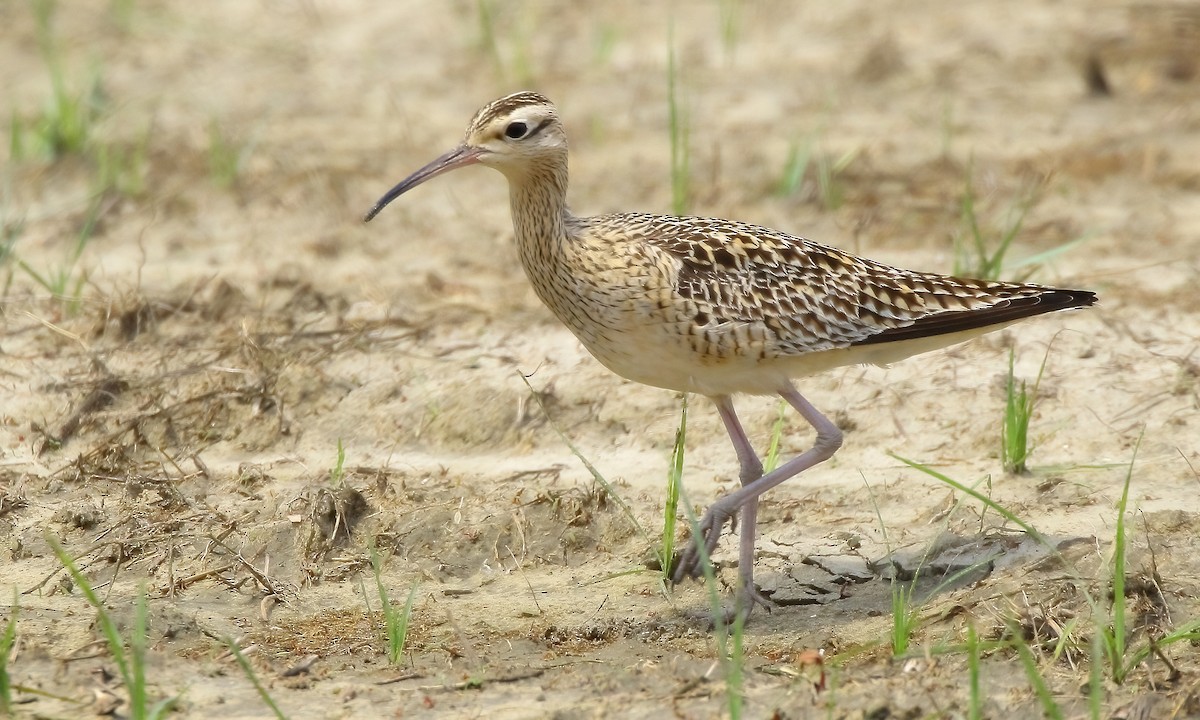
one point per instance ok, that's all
(1047, 300)
(1066, 299)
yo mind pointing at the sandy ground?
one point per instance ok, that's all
(174, 426)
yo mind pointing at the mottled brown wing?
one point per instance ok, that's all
(811, 297)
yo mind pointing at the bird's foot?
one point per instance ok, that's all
(746, 599)
(748, 596)
(690, 562)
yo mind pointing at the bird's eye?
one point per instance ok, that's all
(516, 130)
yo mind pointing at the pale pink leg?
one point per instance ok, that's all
(754, 484)
(751, 470)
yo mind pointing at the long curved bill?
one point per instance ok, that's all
(460, 156)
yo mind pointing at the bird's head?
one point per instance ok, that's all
(516, 134)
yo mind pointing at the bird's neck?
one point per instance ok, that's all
(538, 198)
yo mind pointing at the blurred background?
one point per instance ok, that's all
(186, 139)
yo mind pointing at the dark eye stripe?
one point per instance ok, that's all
(537, 128)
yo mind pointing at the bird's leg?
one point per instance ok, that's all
(751, 470)
(745, 499)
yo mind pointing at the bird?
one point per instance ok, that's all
(717, 307)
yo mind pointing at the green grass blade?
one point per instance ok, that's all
(16, 137)
(107, 627)
(975, 697)
(397, 627)
(674, 481)
(380, 588)
(795, 167)
(253, 677)
(1003, 511)
(1047, 255)
(46, 283)
(137, 659)
(982, 253)
(679, 130)
(730, 11)
(735, 672)
(6, 643)
(1014, 432)
(728, 637)
(338, 472)
(904, 616)
(395, 621)
(398, 630)
(772, 459)
(963, 263)
(1049, 707)
(1119, 666)
(1096, 670)
(487, 33)
(994, 263)
(1188, 632)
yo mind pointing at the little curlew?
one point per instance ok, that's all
(717, 307)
